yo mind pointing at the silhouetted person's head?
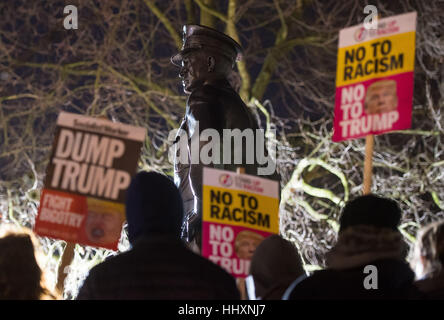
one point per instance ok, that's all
(153, 205)
(276, 262)
(371, 210)
(20, 275)
(428, 258)
(368, 232)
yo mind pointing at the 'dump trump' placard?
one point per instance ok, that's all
(374, 78)
(90, 168)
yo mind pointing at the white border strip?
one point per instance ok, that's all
(405, 22)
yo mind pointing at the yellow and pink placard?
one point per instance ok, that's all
(374, 78)
(239, 211)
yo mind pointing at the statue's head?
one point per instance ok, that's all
(206, 53)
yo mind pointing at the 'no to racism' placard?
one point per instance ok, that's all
(91, 166)
(239, 211)
(374, 78)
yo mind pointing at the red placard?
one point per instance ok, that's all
(91, 166)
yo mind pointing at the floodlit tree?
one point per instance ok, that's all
(117, 63)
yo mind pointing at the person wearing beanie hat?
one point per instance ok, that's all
(371, 210)
(153, 205)
(369, 258)
(158, 266)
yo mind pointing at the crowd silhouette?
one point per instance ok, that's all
(369, 260)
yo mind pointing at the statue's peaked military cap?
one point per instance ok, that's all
(197, 37)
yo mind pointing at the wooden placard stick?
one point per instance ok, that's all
(368, 163)
(241, 282)
(67, 256)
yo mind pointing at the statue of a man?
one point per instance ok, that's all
(207, 58)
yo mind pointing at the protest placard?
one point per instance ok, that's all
(374, 78)
(91, 166)
(239, 211)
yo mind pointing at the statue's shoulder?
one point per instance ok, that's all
(207, 101)
(205, 93)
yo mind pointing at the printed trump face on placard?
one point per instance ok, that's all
(104, 221)
(381, 97)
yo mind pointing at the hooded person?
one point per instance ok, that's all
(274, 266)
(369, 258)
(158, 265)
